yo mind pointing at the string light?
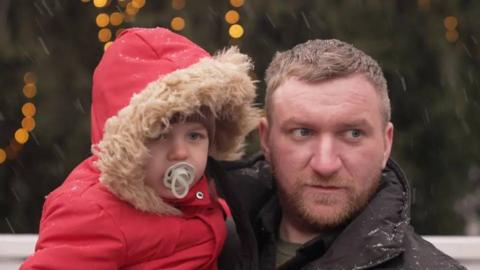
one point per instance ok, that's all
(100, 3)
(29, 90)
(28, 123)
(178, 4)
(131, 9)
(108, 44)
(116, 18)
(138, 4)
(177, 24)
(451, 36)
(21, 136)
(102, 20)
(232, 17)
(236, 31)
(28, 109)
(30, 77)
(237, 3)
(108, 22)
(104, 34)
(3, 156)
(451, 24)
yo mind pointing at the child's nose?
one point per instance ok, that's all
(178, 151)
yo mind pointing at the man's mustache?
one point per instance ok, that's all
(326, 182)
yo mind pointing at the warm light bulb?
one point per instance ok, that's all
(3, 156)
(451, 35)
(237, 3)
(29, 90)
(138, 3)
(116, 18)
(100, 3)
(178, 24)
(236, 31)
(21, 136)
(178, 4)
(30, 77)
(131, 9)
(104, 34)
(108, 44)
(102, 19)
(450, 22)
(28, 109)
(28, 123)
(232, 17)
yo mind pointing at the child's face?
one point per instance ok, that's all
(186, 142)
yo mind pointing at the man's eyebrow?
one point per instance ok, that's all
(295, 121)
(357, 123)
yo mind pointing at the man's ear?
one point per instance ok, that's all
(388, 140)
(263, 135)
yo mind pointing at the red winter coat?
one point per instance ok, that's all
(85, 226)
(103, 216)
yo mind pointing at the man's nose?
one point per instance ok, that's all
(178, 150)
(325, 160)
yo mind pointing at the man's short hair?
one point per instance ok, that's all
(319, 60)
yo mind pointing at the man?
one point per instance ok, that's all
(336, 201)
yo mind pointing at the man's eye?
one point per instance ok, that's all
(302, 132)
(354, 133)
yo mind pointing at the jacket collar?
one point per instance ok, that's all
(374, 236)
(199, 195)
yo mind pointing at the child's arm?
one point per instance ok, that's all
(76, 234)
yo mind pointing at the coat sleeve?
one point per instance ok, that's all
(76, 234)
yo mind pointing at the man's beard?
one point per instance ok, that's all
(300, 207)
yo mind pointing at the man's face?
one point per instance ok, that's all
(184, 142)
(327, 144)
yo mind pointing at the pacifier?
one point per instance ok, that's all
(178, 178)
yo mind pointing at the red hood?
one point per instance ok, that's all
(136, 58)
(146, 77)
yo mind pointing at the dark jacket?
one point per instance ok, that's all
(379, 237)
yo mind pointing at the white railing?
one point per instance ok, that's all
(14, 248)
(465, 249)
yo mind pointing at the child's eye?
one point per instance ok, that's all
(195, 136)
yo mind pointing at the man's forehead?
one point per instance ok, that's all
(347, 100)
(337, 121)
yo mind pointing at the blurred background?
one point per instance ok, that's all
(429, 51)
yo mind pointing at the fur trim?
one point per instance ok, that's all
(220, 83)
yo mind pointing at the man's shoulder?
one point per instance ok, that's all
(250, 180)
(253, 170)
(422, 254)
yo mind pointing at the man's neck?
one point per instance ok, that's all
(289, 232)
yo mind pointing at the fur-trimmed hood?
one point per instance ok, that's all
(146, 77)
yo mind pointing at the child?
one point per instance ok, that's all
(160, 105)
